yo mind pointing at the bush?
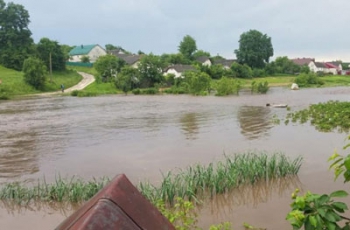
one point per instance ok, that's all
(34, 72)
(258, 73)
(175, 90)
(136, 91)
(77, 93)
(305, 80)
(149, 91)
(74, 93)
(260, 87)
(227, 86)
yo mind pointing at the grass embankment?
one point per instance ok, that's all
(95, 88)
(247, 168)
(13, 83)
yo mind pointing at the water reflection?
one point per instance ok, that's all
(261, 192)
(255, 121)
(189, 125)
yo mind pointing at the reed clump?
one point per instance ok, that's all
(74, 190)
(233, 171)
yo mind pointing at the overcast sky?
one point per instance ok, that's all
(298, 28)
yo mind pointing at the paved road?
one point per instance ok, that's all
(87, 80)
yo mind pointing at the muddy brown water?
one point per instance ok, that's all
(143, 136)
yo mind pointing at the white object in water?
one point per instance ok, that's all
(294, 86)
(278, 105)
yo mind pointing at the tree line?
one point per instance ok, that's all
(17, 47)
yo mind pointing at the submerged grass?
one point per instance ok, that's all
(75, 190)
(240, 169)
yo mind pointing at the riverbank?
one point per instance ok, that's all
(12, 83)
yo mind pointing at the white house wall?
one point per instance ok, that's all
(96, 52)
(173, 71)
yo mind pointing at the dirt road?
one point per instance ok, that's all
(87, 80)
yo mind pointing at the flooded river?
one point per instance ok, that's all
(143, 136)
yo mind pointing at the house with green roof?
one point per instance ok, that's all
(92, 51)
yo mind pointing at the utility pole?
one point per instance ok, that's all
(50, 68)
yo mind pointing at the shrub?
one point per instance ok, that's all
(260, 87)
(34, 72)
(305, 80)
(227, 86)
(258, 73)
(136, 91)
(74, 93)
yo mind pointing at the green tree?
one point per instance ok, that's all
(127, 79)
(150, 69)
(286, 66)
(173, 59)
(108, 66)
(255, 49)
(187, 47)
(16, 43)
(66, 49)
(51, 52)
(197, 82)
(34, 72)
(85, 59)
(241, 71)
(201, 53)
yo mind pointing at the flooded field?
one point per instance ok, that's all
(143, 136)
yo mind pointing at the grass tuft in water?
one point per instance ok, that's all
(233, 171)
(75, 190)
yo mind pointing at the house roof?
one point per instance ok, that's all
(202, 59)
(319, 65)
(81, 50)
(181, 68)
(130, 59)
(302, 61)
(225, 62)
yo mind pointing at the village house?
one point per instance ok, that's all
(302, 61)
(326, 67)
(226, 63)
(204, 60)
(178, 70)
(130, 59)
(91, 51)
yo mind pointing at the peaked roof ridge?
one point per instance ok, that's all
(82, 49)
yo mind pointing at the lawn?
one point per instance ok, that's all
(13, 83)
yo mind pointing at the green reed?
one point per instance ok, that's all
(233, 171)
(75, 190)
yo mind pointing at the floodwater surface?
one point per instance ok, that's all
(143, 136)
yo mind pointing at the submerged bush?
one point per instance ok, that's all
(324, 116)
(227, 86)
(260, 87)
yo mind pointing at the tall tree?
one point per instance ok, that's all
(150, 68)
(50, 52)
(255, 49)
(187, 47)
(15, 37)
(108, 66)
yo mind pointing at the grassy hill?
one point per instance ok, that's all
(12, 83)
